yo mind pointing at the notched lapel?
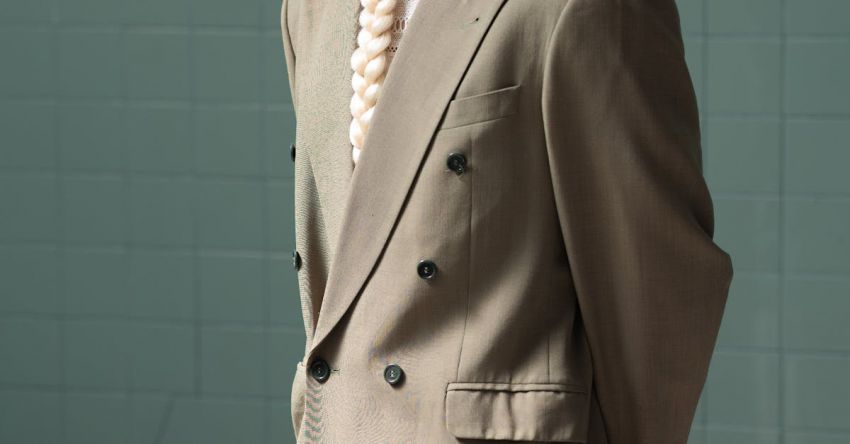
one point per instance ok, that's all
(440, 40)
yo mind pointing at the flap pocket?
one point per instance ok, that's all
(481, 107)
(517, 411)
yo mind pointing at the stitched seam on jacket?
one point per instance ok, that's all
(468, 259)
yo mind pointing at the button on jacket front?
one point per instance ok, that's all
(393, 374)
(320, 370)
(296, 260)
(426, 269)
(524, 250)
(457, 162)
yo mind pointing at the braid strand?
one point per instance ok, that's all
(369, 62)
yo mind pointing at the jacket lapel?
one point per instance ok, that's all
(438, 45)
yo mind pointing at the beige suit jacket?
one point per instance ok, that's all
(544, 156)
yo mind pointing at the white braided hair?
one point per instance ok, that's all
(369, 62)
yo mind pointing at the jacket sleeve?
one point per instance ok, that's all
(623, 140)
(288, 50)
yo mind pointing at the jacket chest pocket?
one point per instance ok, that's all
(517, 411)
(481, 107)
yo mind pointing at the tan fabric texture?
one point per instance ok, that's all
(578, 290)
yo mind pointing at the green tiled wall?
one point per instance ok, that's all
(146, 293)
(773, 79)
(146, 225)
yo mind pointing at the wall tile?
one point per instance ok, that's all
(750, 17)
(818, 156)
(159, 139)
(157, 12)
(817, 237)
(91, 11)
(816, 76)
(162, 285)
(232, 288)
(161, 212)
(30, 417)
(97, 419)
(280, 421)
(30, 351)
(816, 438)
(816, 313)
(227, 142)
(743, 155)
(743, 76)
(235, 80)
(96, 282)
(30, 280)
(91, 137)
(719, 436)
(817, 392)
(29, 62)
(148, 414)
(97, 354)
(94, 209)
(214, 422)
(90, 64)
(28, 207)
(157, 65)
(226, 13)
(817, 17)
(232, 361)
(27, 135)
(25, 11)
(230, 214)
(151, 346)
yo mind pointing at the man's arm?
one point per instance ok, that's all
(623, 140)
(288, 51)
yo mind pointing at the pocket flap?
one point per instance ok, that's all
(482, 107)
(516, 411)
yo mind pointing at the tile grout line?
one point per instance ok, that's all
(131, 334)
(193, 180)
(266, 228)
(782, 226)
(59, 231)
